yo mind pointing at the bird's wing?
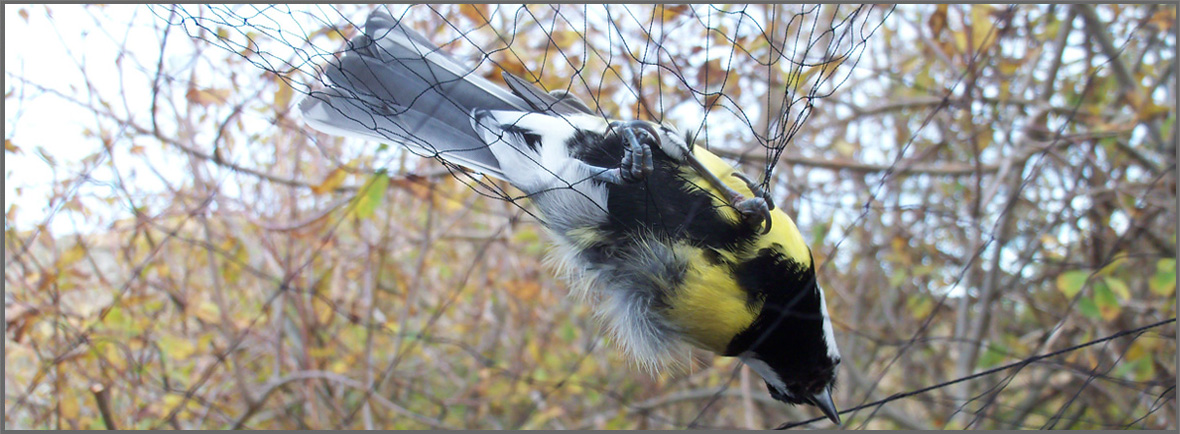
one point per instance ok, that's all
(557, 103)
(393, 85)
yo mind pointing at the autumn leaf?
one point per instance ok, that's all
(207, 97)
(1071, 282)
(331, 182)
(475, 12)
(283, 95)
(937, 20)
(371, 194)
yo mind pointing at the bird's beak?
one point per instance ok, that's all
(823, 400)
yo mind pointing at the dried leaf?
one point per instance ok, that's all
(475, 12)
(937, 21)
(207, 97)
(333, 180)
(283, 96)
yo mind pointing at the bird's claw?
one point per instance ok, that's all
(755, 210)
(755, 188)
(637, 163)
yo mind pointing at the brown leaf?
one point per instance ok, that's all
(669, 13)
(937, 21)
(475, 12)
(207, 97)
(9, 147)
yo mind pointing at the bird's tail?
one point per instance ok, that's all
(393, 85)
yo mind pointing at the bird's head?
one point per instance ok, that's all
(792, 347)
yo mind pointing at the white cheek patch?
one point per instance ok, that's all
(764, 371)
(829, 336)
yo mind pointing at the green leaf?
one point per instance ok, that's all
(818, 233)
(1108, 305)
(1164, 281)
(991, 357)
(1087, 307)
(897, 277)
(1118, 287)
(177, 348)
(371, 194)
(1070, 283)
(919, 305)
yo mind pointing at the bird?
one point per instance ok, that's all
(674, 245)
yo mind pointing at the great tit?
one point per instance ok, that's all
(671, 243)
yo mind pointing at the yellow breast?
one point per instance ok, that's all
(710, 308)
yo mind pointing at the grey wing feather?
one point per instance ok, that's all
(396, 86)
(561, 103)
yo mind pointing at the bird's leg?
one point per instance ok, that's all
(755, 188)
(755, 210)
(637, 159)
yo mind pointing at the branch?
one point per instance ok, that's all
(339, 379)
(1097, 30)
(104, 405)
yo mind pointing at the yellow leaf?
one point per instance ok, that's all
(1009, 66)
(177, 348)
(70, 408)
(333, 180)
(69, 257)
(208, 312)
(114, 356)
(9, 147)
(1150, 110)
(960, 39)
(984, 29)
(283, 95)
(172, 401)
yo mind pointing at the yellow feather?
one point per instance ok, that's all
(710, 308)
(783, 230)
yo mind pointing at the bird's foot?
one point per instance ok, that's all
(637, 164)
(754, 210)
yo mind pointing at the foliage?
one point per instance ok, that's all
(983, 185)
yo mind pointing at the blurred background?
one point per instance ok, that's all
(982, 185)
